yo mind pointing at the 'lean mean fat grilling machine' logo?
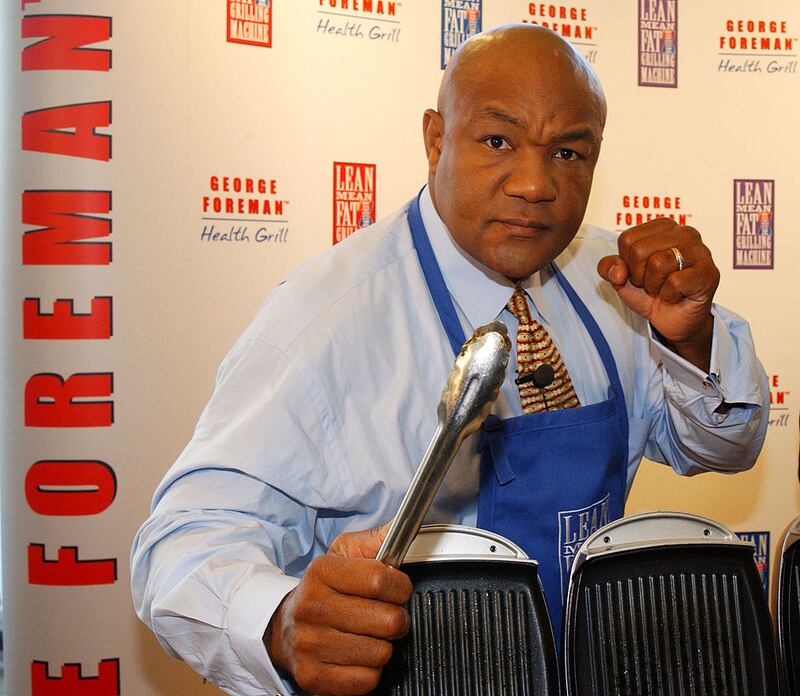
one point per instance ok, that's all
(461, 19)
(575, 527)
(250, 22)
(658, 43)
(754, 223)
(353, 198)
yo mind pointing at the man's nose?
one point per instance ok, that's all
(531, 178)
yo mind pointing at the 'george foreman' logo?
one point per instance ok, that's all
(640, 208)
(658, 43)
(754, 223)
(461, 19)
(345, 18)
(250, 22)
(751, 37)
(757, 46)
(572, 22)
(778, 402)
(353, 198)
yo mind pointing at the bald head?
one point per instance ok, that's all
(494, 54)
(512, 146)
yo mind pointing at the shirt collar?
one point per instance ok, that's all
(480, 292)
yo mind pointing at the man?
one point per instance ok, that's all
(325, 406)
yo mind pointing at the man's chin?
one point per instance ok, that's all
(516, 271)
(517, 266)
(521, 258)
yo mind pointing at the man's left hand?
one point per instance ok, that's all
(677, 303)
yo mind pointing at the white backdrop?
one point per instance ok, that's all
(341, 83)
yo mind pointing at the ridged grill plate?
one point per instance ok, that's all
(479, 628)
(689, 621)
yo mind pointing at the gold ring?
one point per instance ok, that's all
(678, 257)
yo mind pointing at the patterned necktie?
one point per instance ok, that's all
(536, 348)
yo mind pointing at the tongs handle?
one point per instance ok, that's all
(418, 498)
(472, 387)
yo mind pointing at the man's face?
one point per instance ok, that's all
(511, 158)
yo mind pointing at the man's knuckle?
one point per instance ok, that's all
(673, 285)
(395, 622)
(638, 253)
(310, 609)
(376, 581)
(662, 263)
(399, 583)
(406, 587)
(691, 232)
(382, 652)
(341, 544)
(306, 676)
(316, 569)
(366, 681)
(705, 255)
(305, 643)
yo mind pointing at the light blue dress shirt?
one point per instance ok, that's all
(325, 405)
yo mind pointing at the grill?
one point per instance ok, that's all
(686, 617)
(479, 627)
(788, 607)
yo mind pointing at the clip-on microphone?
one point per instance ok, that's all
(541, 377)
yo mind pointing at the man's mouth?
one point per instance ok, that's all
(523, 227)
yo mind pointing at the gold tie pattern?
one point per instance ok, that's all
(534, 348)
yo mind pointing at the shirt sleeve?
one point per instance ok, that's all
(234, 519)
(713, 421)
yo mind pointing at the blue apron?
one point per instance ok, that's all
(549, 479)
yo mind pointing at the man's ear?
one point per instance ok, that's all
(432, 133)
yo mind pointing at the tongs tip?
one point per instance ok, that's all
(495, 326)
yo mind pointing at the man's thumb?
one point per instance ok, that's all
(613, 269)
(363, 544)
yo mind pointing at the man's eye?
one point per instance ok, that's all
(497, 142)
(567, 154)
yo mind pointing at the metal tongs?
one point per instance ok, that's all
(472, 387)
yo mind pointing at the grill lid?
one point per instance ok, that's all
(441, 542)
(650, 528)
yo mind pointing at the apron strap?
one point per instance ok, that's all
(602, 348)
(434, 278)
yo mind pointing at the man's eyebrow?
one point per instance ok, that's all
(500, 115)
(578, 134)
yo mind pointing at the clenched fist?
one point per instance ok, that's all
(333, 632)
(648, 278)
